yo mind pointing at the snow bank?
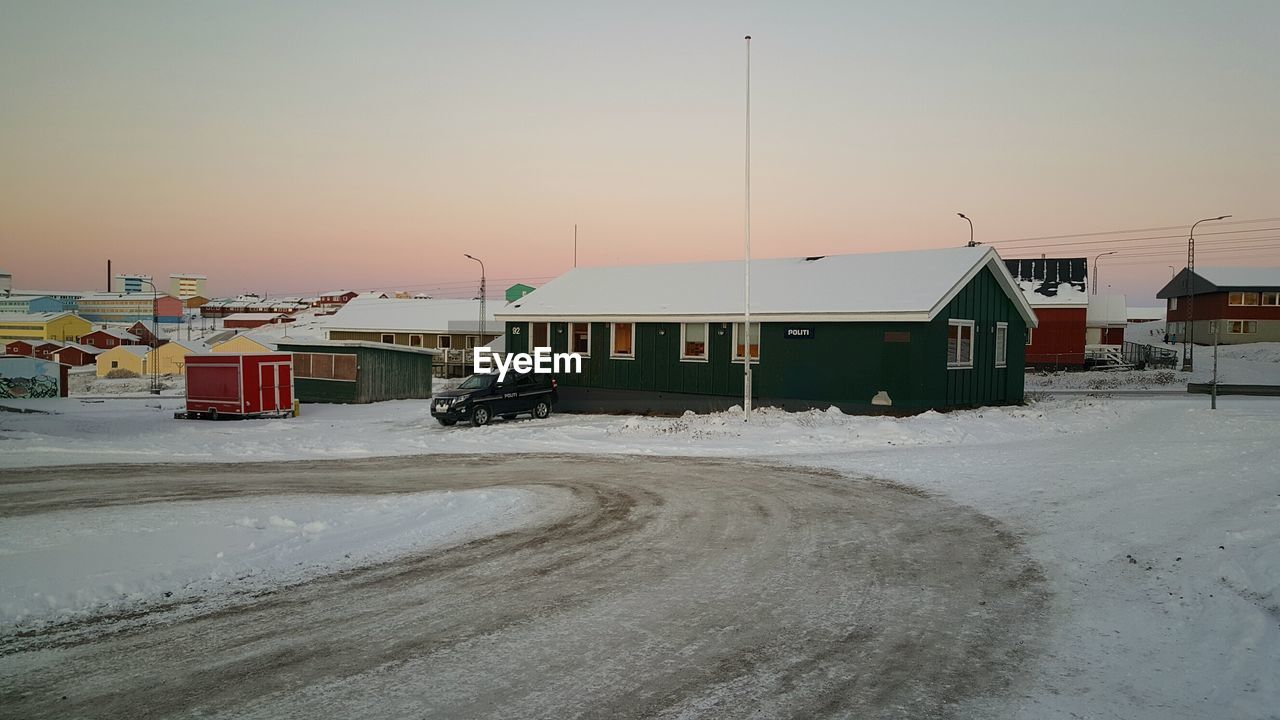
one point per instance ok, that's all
(63, 565)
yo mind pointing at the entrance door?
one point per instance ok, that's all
(1093, 336)
(270, 388)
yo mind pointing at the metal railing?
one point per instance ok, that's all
(1142, 356)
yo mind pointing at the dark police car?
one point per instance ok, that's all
(481, 396)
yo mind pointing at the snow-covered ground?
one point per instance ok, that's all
(57, 566)
(1156, 520)
(1246, 364)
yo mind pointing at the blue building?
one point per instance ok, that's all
(31, 304)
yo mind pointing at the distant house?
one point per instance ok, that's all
(27, 304)
(44, 350)
(107, 338)
(170, 358)
(452, 326)
(77, 355)
(243, 344)
(185, 286)
(335, 298)
(43, 326)
(132, 358)
(1243, 303)
(517, 291)
(18, 347)
(195, 301)
(359, 372)
(1058, 290)
(900, 332)
(248, 321)
(142, 329)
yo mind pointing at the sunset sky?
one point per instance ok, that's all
(294, 147)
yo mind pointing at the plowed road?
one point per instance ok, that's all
(671, 588)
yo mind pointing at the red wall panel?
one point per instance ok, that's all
(1059, 339)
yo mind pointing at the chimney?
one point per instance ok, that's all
(108, 275)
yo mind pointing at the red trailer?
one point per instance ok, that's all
(239, 385)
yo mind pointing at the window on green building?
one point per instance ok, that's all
(693, 341)
(960, 344)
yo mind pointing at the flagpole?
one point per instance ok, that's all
(746, 326)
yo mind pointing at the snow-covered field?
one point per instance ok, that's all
(1156, 520)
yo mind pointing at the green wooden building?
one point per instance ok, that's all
(358, 372)
(894, 333)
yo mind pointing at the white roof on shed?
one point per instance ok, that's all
(912, 285)
(410, 315)
(263, 316)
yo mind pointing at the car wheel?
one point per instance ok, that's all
(542, 409)
(447, 422)
(480, 416)
(213, 413)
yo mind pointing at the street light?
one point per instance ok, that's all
(482, 291)
(1188, 332)
(1095, 268)
(966, 217)
(155, 335)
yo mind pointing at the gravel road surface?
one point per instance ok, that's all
(667, 588)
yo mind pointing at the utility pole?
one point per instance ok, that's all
(1188, 332)
(155, 338)
(746, 326)
(575, 244)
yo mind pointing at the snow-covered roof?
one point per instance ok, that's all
(1241, 277)
(189, 345)
(137, 296)
(116, 333)
(1052, 282)
(184, 276)
(88, 349)
(908, 286)
(335, 293)
(287, 343)
(34, 317)
(139, 350)
(409, 315)
(1107, 311)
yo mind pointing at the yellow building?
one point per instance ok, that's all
(124, 357)
(171, 357)
(43, 326)
(242, 344)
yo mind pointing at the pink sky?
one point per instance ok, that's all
(291, 149)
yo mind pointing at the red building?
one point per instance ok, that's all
(77, 355)
(44, 349)
(1058, 291)
(144, 334)
(335, 298)
(1243, 303)
(107, 338)
(18, 347)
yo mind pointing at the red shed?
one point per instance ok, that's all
(77, 355)
(239, 385)
(18, 347)
(44, 349)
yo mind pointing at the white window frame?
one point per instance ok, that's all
(472, 340)
(613, 354)
(953, 363)
(1002, 348)
(706, 344)
(415, 335)
(447, 341)
(1173, 303)
(384, 339)
(572, 348)
(759, 342)
(1243, 325)
(1275, 299)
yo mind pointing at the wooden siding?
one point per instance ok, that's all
(984, 302)
(380, 375)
